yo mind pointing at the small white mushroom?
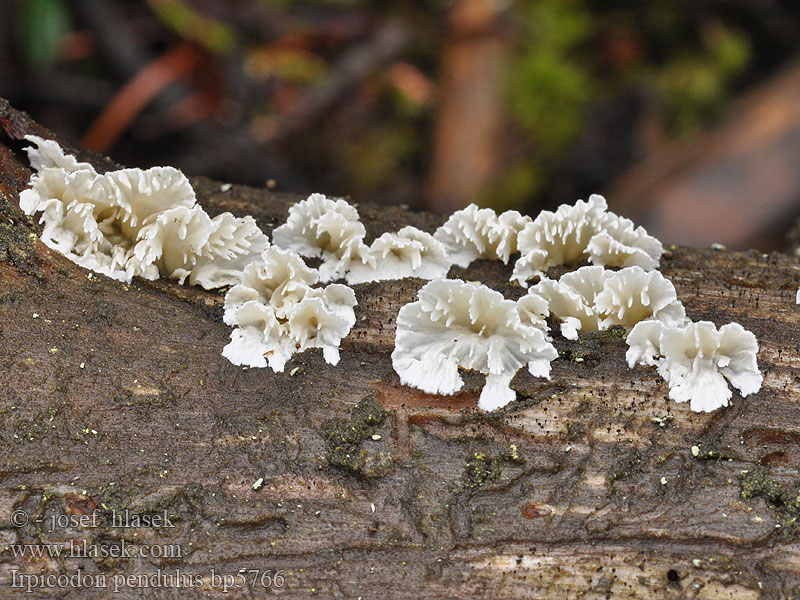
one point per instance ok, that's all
(632, 295)
(696, 359)
(594, 298)
(170, 243)
(408, 253)
(644, 343)
(279, 279)
(321, 227)
(574, 306)
(322, 319)
(621, 244)
(558, 238)
(533, 309)
(583, 231)
(234, 243)
(473, 233)
(454, 323)
(49, 155)
(275, 312)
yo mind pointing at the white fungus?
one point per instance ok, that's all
(134, 222)
(582, 285)
(325, 228)
(234, 243)
(632, 295)
(454, 323)
(695, 359)
(594, 298)
(147, 223)
(620, 243)
(408, 253)
(644, 343)
(275, 312)
(583, 231)
(533, 309)
(475, 232)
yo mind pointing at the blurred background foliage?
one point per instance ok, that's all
(431, 103)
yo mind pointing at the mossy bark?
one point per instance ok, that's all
(115, 397)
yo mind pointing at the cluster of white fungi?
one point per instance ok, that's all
(147, 223)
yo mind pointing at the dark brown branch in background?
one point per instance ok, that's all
(590, 485)
(471, 106)
(350, 70)
(738, 183)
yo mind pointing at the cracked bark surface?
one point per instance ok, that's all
(116, 397)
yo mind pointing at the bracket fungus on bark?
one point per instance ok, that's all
(583, 231)
(457, 324)
(319, 227)
(533, 310)
(695, 359)
(474, 232)
(409, 252)
(632, 294)
(134, 222)
(275, 312)
(594, 298)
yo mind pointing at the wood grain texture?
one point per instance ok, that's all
(116, 397)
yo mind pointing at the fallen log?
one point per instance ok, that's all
(118, 409)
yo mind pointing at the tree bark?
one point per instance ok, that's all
(591, 485)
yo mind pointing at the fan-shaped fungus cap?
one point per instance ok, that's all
(533, 309)
(134, 222)
(47, 154)
(408, 253)
(277, 313)
(473, 233)
(583, 231)
(594, 298)
(632, 295)
(321, 227)
(620, 244)
(454, 324)
(234, 243)
(695, 359)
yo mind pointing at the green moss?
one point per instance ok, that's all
(755, 484)
(513, 455)
(49, 423)
(575, 431)
(350, 441)
(617, 331)
(480, 468)
(710, 454)
(113, 496)
(783, 501)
